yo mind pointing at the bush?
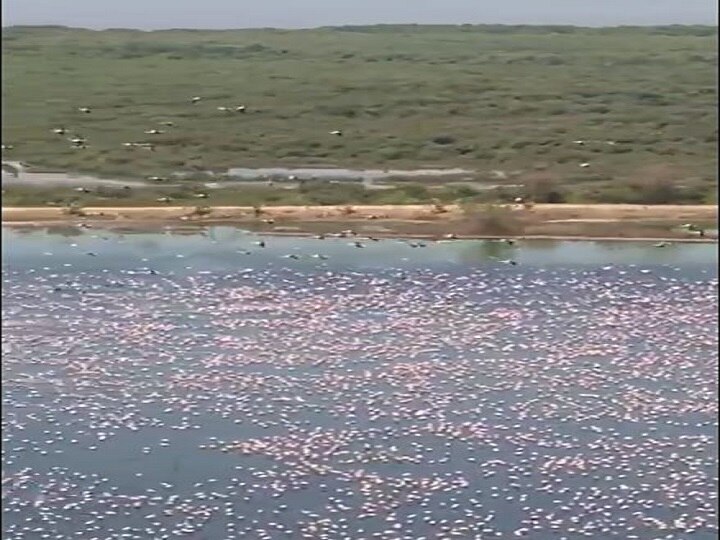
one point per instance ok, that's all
(443, 139)
(492, 220)
(540, 187)
(201, 211)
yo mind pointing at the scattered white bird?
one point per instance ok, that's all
(661, 244)
(164, 199)
(86, 110)
(584, 165)
(201, 195)
(195, 99)
(60, 131)
(223, 109)
(7, 147)
(167, 123)
(241, 109)
(154, 132)
(337, 133)
(580, 143)
(157, 178)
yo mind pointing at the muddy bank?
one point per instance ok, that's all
(551, 221)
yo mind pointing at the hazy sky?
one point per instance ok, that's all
(149, 14)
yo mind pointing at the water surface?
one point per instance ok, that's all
(197, 385)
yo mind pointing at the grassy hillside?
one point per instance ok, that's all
(485, 98)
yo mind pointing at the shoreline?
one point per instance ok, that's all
(541, 222)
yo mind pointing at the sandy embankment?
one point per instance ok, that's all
(560, 220)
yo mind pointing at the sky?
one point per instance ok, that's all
(156, 14)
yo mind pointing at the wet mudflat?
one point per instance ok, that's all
(206, 386)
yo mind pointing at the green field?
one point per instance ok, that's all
(485, 98)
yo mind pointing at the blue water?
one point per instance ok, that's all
(160, 385)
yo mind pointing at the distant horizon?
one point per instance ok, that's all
(230, 29)
(307, 14)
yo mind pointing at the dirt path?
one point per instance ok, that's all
(556, 220)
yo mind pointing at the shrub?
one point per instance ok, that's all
(443, 139)
(492, 219)
(541, 187)
(73, 210)
(200, 211)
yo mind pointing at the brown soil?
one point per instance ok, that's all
(549, 220)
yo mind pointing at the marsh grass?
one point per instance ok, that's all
(482, 98)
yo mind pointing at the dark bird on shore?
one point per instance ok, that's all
(260, 243)
(693, 228)
(357, 244)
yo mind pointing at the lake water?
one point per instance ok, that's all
(198, 385)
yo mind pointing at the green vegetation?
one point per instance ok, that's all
(484, 98)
